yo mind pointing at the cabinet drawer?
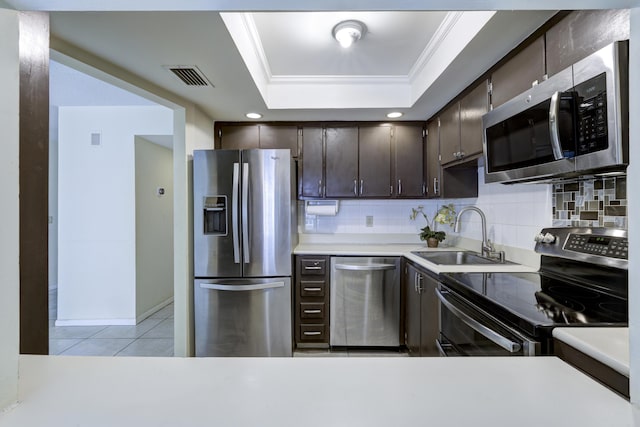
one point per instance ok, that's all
(313, 266)
(312, 310)
(312, 288)
(313, 333)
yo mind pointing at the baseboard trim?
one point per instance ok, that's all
(96, 322)
(152, 310)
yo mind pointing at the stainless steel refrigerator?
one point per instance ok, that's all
(244, 233)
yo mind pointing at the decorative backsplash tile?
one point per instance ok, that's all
(598, 202)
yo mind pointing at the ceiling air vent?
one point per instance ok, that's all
(189, 75)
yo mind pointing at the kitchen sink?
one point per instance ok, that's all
(456, 258)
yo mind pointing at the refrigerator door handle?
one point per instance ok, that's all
(257, 287)
(234, 213)
(245, 212)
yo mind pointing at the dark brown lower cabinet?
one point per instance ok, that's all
(421, 311)
(311, 322)
(592, 367)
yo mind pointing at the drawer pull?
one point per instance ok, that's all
(311, 333)
(312, 311)
(313, 289)
(313, 268)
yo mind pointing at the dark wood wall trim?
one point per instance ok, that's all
(34, 191)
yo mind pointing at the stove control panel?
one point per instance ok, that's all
(607, 246)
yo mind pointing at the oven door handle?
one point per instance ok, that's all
(506, 343)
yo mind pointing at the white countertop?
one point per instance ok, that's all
(59, 391)
(606, 345)
(405, 250)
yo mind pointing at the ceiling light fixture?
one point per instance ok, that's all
(394, 115)
(254, 115)
(348, 32)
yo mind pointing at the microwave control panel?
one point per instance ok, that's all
(608, 246)
(591, 109)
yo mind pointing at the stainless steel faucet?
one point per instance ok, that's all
(488, 250)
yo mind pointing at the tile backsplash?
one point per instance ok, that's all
(598, 202)
(515, 213)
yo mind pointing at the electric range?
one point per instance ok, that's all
(582, 281)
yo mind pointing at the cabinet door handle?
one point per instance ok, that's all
(355, 187)
(312, 311)
(436, 190)
(399, 187)
(313, 268)
(320, 188)
(361, 186)
(313, 289)
(425, 189)
(311, 333)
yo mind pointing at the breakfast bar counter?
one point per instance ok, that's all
(59, 391)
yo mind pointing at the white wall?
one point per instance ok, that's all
(53, 198)
(515, 213)
(96, 210)
(9, 214)
(154, 227)
(634, 207)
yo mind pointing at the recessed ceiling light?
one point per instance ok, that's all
(348, 32)
(394, 115)
(254, 115)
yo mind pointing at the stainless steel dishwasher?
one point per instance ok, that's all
(365, 301)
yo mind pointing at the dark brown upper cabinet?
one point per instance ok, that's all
(279, 137)
(472, 107)
(341, 162)
(583, 32)
(408, 165)
(519, 73)
(250, 135)
(450, 134)
(432, 160)
(311, 165)
(461, 144)
(374, 161)
(238, 137)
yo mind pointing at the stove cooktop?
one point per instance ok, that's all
(536, 302)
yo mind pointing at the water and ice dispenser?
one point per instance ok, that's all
(215, 215)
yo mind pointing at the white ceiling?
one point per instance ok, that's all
(411, 61)
(286, 65)
(296, 64)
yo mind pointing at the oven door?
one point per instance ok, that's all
(467, 330)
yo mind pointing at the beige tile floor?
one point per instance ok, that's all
(152, 337)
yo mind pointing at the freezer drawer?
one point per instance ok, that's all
(365, 301)
(243, 317)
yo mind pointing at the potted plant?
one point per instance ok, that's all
(446, 214)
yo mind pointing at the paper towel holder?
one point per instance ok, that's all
(321, 207)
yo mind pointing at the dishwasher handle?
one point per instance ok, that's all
(365, 267)
(490, 334)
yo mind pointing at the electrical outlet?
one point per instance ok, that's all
(369, 221)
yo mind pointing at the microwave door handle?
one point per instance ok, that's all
(234, 213)
(506, 343)
(554, 131)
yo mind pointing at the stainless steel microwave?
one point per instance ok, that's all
(574, 123)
